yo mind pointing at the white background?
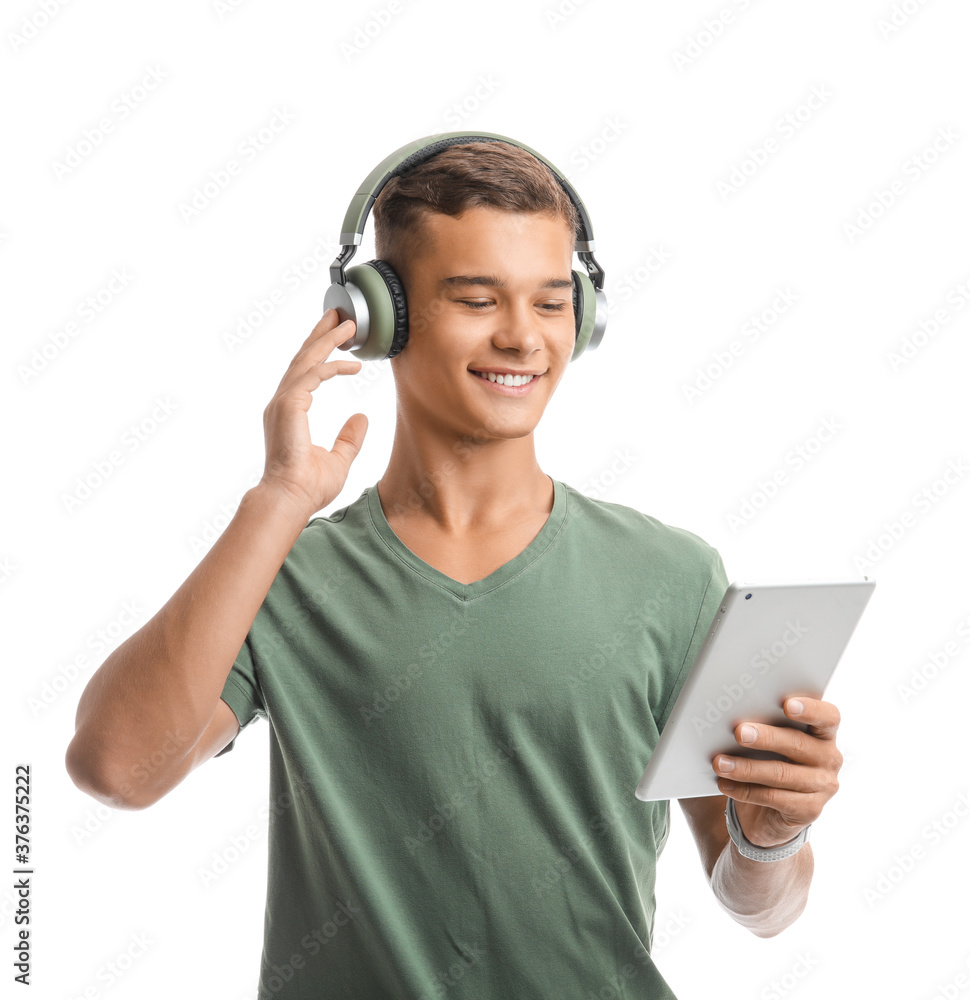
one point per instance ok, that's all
(651, 115)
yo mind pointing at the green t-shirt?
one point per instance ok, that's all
(452, 773)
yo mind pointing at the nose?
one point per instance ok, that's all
(518, 328)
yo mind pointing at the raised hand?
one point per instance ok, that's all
(307, 474)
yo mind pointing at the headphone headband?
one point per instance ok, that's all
(403, 159)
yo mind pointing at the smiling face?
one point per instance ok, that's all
(490, 292)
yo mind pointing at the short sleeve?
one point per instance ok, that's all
(713, 594)
(241, 691)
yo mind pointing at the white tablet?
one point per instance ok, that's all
(767, 643)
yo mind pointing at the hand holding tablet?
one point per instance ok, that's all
(767, 643)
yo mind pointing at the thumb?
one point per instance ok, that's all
(350, 437)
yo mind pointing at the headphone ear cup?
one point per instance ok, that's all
(585, 302)
(397, 336)
(373, 297)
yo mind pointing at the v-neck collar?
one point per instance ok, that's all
(469, 591)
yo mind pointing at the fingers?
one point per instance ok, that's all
(777, 798)
(328, 322)
(776, 809)
(804, 753)
(799, 747)
(773, 816)
(350, 437)
(788, 796)
(816, 746)
(327, 335)
(821, 717)
(771, 774)
(813, 759)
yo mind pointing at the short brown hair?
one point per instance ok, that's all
(460, 177)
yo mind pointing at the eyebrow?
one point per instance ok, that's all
(492, 281)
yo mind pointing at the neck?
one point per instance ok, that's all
(464, 485)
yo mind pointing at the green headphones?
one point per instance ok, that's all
(372, 295)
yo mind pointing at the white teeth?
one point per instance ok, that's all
(506, 379)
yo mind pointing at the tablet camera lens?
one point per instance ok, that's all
(747, 597)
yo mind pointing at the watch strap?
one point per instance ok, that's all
(752, 851)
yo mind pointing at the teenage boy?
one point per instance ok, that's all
(466, 668)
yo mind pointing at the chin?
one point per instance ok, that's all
(510, 429)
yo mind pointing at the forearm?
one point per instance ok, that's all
(763, 896)
(153, 697)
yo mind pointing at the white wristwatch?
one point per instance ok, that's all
(752, 851)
